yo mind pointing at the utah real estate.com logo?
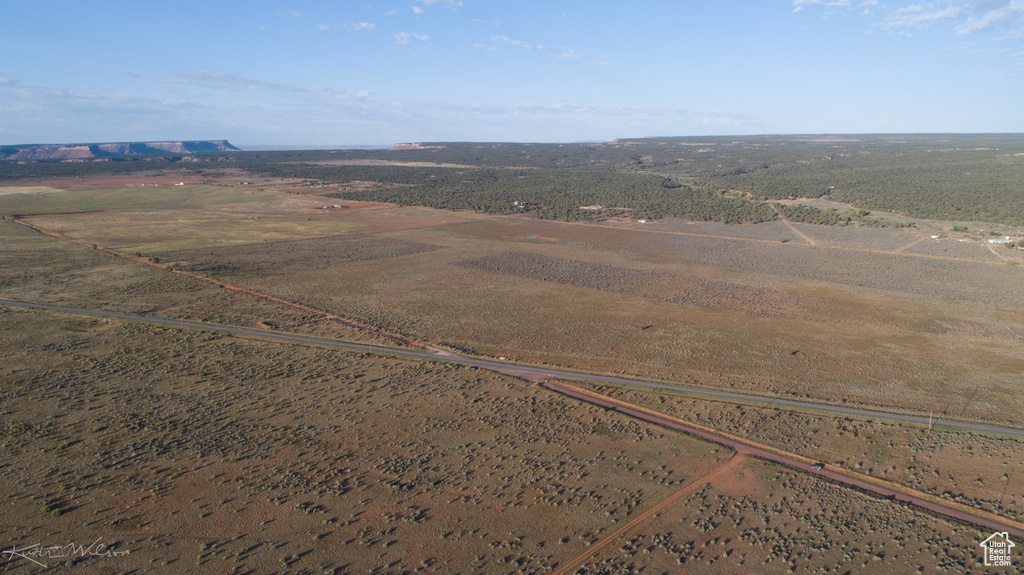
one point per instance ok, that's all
(997, 549)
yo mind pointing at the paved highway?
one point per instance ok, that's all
(534, 373)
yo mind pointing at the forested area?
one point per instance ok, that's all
(72, 169)
(803, 213)
(560, 195)
(973, 177)
(953, 185)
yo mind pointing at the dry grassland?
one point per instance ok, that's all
(116, 212)
(768, 519)
(773, 231)
(199, 452)
(203, 453)
(981, 471)
(39, 269)
(861, 326)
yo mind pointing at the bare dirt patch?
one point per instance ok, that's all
(370, 162)
(6, 190)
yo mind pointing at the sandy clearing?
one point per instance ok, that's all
(8, 190)
(355, 162)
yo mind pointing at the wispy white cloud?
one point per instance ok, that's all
(357, 26)
(995, 18)
(332, 94)
(921, 16)
(799, 5)
(609, 116)
(391, 13)
(218, 81)
(566, 54)
(417, 10)
(230, 82)
(408, 37)
(518, 43)
(449, 4)
(295, 14)
(57, 114)
(210, 105)
(322, 27)
(963, 16)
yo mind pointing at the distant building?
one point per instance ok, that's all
(1005, 240)
(593, 208)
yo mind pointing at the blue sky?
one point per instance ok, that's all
(378, 72)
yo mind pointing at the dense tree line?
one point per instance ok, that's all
(564, 194)
(833, 217)
(811, 215)
(68, 169)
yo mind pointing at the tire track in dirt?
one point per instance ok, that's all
(805, 237)
(731, 464)
(901, 249)
(845, 477)
(995, 253)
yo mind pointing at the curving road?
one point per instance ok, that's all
(534, 373)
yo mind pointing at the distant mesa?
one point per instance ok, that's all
(43, 152)
(414, 146)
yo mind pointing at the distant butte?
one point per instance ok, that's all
(413, 146)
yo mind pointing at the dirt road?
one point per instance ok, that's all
(535, 373)
(859, 481)
(690, 487)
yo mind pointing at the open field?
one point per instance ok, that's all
(36, 268)
(984, 472)
(196, 451)
(285, 218)
(208, 452)
(861, 325)
(765, 518)
(775, 231)
(870, 325)
(120, 214)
